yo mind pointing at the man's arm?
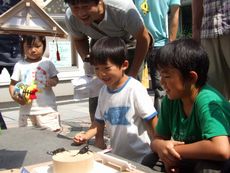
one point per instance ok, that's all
(174, 20)
(142, 46)
(81, 46)
(197, 14)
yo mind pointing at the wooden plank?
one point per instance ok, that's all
(31, 167)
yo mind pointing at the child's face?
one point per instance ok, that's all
(112, 75)
(173, 83)
(33, 52)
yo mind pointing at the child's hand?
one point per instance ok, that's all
(80, 138)
(51, 82)
(167, 153)
(19, 100)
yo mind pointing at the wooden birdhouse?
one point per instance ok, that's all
(28, 18)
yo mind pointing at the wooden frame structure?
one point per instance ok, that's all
(27, 18)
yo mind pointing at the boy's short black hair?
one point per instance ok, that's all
(185, 55)
(109, 48)
(30, 39)
(75, 2)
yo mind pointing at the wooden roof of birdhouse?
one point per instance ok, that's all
(26, 17)
(55, 7)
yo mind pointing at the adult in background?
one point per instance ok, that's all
(156, 15)
(98, 18)
(9, 48)
(211, 26)
(9, 44)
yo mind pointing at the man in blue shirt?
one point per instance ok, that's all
(156, 15)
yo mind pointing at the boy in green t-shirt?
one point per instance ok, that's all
(193, 114)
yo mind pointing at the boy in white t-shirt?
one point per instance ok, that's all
(124, 104)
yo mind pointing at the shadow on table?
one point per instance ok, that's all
(70, 129)
(10, 158)
(77, 127)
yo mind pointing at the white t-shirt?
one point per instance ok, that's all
(124, 112)
(38, 73)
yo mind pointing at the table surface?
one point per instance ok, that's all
(26, 146)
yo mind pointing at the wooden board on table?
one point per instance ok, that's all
(37, 168)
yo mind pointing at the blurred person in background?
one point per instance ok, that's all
(161, 19)
(9, 48)
(211, 27)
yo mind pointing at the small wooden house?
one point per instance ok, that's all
(27, 17)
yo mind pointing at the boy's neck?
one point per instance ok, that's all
(189, 101)
(119, 83)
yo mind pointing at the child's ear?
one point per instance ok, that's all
(193, 76)
(125, 65)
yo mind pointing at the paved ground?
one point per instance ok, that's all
(74, 117)
(70, 110)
